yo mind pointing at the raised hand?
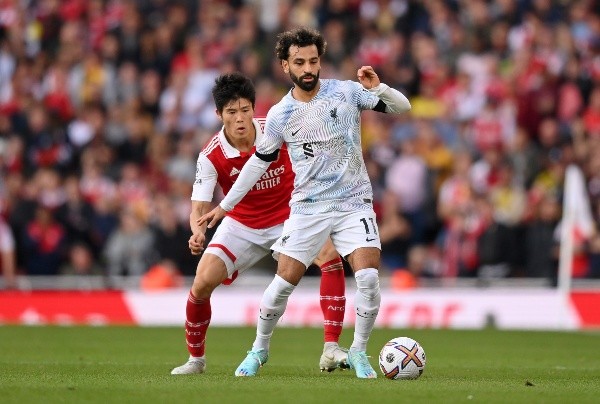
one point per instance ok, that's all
(367, 77)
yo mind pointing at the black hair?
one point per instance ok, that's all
(231, 87)
(299, 37)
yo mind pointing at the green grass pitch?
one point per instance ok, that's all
(132, 365)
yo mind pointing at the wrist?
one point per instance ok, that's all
(378, 89)
(225, 206)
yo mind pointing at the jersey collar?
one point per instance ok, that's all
(231, 152)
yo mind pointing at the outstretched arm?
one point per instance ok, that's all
(392, 100)
(254, 168)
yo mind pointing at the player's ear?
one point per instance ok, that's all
(286, 66)
(219, 114)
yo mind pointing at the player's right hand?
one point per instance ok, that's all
(196, 243)
(212, 217)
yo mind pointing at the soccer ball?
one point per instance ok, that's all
(402, 358)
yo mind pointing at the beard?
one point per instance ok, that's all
(304, 85)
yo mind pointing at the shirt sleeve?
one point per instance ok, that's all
(272, 138)
(206, 180)
(364, 98)
(251, 172)
(395, 101)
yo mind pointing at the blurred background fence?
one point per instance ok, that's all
(105, 104)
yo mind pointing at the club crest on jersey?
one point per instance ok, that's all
(333, 113)
(234, 171)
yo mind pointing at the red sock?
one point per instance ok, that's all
(333, 299)
(198, 314)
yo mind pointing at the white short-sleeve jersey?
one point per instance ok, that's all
(323, 138)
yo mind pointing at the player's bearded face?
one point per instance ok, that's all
(306, 85)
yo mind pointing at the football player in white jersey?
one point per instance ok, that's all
(243, 240)
(319, 121)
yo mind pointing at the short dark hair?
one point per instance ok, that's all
(231, 87)
(299, 37)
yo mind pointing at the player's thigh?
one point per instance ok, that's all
(356, 237)
(364, 257)
(303, 236)
(211, 271)
(290, 269)
(241, 247)
(327, 253)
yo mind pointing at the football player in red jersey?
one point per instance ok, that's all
(246, 234)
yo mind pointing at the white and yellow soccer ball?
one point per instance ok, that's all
(402, 358)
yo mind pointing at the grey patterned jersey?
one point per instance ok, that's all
(323, 138)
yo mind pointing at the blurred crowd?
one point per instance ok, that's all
(105, 104)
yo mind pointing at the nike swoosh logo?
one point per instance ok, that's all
(294, 133)
(370, 239)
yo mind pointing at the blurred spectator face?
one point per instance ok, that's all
(548, 132)
(492, 156)
(499, 36)
(462, 164)
(542, 5)
(70, 33)
(165, 213)
(177, 16)
(417, 259)
(164, 36)
(43, 215)
(595, 99)
(251, 64)
(14, 185)
(549, 209)
(131, 19)
(130, 222)
(95, 118)
(150, 84)
(38, 120)
(51, 191)
(72, 191)
(81, 259)
(109, 48)
(505, 174)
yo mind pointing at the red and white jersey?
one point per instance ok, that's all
(267, 203)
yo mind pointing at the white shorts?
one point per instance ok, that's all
(241, 247)
(304, 235)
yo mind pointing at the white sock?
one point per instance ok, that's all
(272, 307)
(366, 301)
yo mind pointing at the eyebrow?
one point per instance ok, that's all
(236, 108)
(296, 59)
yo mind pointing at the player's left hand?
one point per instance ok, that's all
(367, 77)
(212, 217)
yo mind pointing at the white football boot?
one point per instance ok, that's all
(191, 367)
(333, 357)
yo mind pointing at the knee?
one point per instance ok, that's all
(290, 275)
(203, 286)
(290, 269)
(367, 282)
